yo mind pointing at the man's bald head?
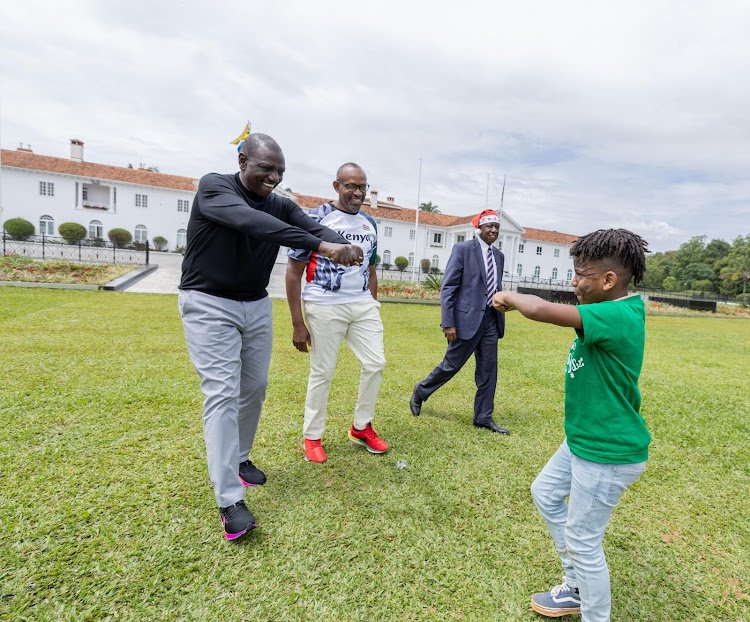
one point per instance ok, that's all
(254, 142)
(348, 167)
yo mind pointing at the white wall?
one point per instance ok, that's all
(21, 199)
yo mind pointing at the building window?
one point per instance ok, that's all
(520, 248)
(46, 188)
(437, 239)
(500, 245)
(411, 259)
(96, 230)
(412, 234)
(570, 276)
(141, 200)
(387, 257)
(519, 269)
(47, 225)
(387, 231)
(435, 261)
(182, 238)
(141, 233)
(460, 238)
(114, 197)
(538, 250)
(557, 252)
(537, 272)
(554, 273)
(85, 194)
(183, 205)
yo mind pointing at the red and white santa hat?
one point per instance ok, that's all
(486, 217)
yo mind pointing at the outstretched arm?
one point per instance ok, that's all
(537, 309)
(300, 334)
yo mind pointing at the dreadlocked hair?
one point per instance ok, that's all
(625, 248)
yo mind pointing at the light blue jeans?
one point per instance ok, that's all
(577, 527)
(229, 342)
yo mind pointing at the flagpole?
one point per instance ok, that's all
(416, 223)
(487, 193)
(502, 196)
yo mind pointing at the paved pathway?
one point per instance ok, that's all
(166, 278)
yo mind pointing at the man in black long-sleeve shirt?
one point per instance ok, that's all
(236, 227)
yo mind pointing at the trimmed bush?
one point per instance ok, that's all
(119, 237)
(401, 263)
(160, 243)
(425, 265)
(72, 232)
(19, 228)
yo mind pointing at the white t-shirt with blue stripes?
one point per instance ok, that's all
(329, 282)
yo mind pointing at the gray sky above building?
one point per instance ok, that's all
(610, 114)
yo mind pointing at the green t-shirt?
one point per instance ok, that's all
(602, 402)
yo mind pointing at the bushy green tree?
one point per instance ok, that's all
(735, 271)
(72, 232)
(401, 263)
(119, 237)
(670, 283)
(160, 243)
(19, 228)
(425, 264)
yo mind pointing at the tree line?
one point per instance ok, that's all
(713, 267)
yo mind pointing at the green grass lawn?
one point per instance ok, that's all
(107, 512)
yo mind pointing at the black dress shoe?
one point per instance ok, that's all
(491, 425)
(415, 403)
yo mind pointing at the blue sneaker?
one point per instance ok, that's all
(561, 600)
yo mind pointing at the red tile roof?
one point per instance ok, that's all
(28, 160)
(542, 235)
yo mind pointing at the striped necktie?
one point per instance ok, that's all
(490, 276)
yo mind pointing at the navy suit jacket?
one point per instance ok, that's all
(463, 297)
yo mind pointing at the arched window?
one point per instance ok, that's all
(554, 273)
(537, 271)
(141, 234)
(182, 238)
(570, 275)
(387, 257)
(95, 229)
(411, 259)
(47, 225)
(519, 269)
(435, 261)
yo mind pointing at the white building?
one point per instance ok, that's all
(49, 191)
(529, 253)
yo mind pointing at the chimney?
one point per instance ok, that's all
(27, 148)
(76, 150)
(373, 198)
(391, 199)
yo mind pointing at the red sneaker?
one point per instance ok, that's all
(368, 438)
(314, 451)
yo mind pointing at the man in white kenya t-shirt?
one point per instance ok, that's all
(339, 303)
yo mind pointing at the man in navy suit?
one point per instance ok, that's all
(470, 323)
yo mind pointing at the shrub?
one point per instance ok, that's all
(19, 228)
(377, 260)
(160, 243)
(119, 237)
(386, 266)
(72, 232)
(179, 249)
(425, 265)
(433, 282)
(401, 263)
(435, 271)
(703, 285)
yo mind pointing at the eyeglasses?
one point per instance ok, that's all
(352, 187)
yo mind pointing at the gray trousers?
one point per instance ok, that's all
(229, 343)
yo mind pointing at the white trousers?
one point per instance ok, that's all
(359, 323)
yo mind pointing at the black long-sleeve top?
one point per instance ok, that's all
(233, 239)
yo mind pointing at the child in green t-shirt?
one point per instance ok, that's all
(607, 441)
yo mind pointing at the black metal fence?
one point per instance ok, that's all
(54, 247)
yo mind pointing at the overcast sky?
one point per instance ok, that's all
(602, 114)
